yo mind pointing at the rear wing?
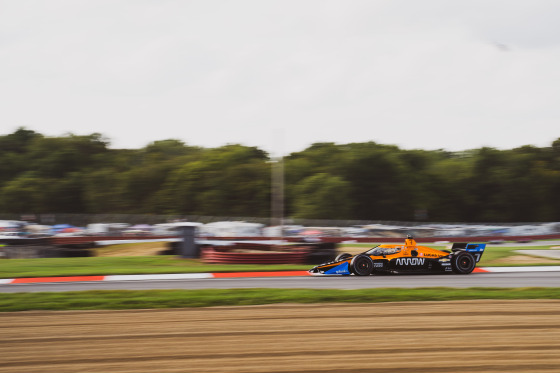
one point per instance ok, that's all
(476, 249)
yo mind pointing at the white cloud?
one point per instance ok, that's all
(430, 74)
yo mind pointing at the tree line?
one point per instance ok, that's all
(357, 181)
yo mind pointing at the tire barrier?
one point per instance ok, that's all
(35, 251)
(23, 247)
(45, 248)
(242, 254)
(20, 251)
(255, 253)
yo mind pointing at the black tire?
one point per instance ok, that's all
(342, 256)
(361, 265)
(463, 263)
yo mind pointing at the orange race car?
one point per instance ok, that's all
(407, 258)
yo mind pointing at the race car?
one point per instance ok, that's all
(407, 258)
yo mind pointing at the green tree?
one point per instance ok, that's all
(322, 196)
(55, 157)
(23, 194)
(13, 153)
(380, 189)
(230, 180)
(366, 181)
(103, 192)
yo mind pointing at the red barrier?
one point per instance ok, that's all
(233, 255)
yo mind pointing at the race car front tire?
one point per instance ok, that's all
(463, 263)
(342, 256)
(361, 265)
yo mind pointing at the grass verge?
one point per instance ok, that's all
(115, 300)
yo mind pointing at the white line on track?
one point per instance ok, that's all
(157, 276)
(516, 269)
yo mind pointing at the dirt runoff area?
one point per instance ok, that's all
(132, 249)
(459, 336)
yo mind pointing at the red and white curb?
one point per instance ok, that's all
(97, 278)
(259, 274)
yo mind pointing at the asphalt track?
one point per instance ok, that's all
(505, 279)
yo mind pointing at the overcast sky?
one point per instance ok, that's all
(282, 75)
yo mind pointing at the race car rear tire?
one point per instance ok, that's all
(342, 256)
(463, 263)
(361, 265)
